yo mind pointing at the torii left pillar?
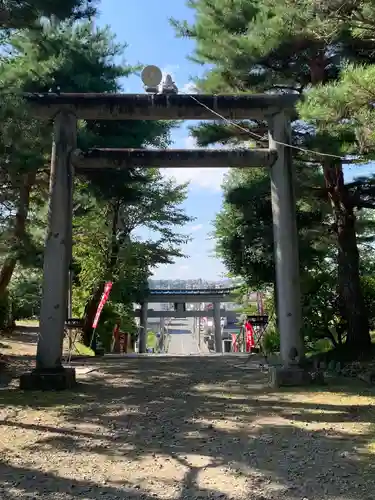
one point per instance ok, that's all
(49, 373)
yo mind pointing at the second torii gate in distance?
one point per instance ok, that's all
(65, 109)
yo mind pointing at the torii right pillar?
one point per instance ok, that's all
(286, 257)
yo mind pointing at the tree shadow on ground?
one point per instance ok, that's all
(31, 483)
(25, 334)
(286, 444)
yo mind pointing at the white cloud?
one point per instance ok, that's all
(190, 142)
(183, 88)
(197, 266)
(188, 88)
(210, 179)
(196, 228)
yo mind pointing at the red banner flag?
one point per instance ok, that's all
(234, 342)
(103, 300)
(249, 336)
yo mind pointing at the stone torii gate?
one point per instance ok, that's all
(180, 298)
(65, 109)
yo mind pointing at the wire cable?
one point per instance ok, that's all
(257, 136)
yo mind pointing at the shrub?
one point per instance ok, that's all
(111, 314)
(271, 340)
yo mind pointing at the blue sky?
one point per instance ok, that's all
(144, 26)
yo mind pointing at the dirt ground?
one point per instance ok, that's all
(20, 345)
(184, 428)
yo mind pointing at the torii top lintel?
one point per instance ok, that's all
(160, 106)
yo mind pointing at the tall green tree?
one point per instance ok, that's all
(244, 232)
(107, 247)
(81, 60)
(291, 46)
(76, 58)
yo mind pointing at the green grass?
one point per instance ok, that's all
(151, 340)
(27, 322)
(82, 350)
(319, 346)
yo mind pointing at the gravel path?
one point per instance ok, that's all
(182, 339)
(183, 343)
(184, 428)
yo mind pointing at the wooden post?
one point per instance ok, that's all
(217, 328)
(199, 332)
(58, 247)
(285, 242)
(70, 292)
(162, 335)
(143, 328)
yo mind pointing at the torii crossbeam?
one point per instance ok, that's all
(172, 158)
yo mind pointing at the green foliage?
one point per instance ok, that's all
(114, 312)
(243, 228)
(271, 340)
(75, 57)
(151, 340)
(347, 104)
(368, 284)
(26, 292)
(82, 350)
(302, 47)
(321, 315)
(6, 319)
(105, 248)
(249, 309)
(23, 13)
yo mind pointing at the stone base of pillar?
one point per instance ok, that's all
(45, 380)
(293, 376)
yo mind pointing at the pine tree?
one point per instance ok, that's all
(75, 58)
(244, 231)
(291, 46)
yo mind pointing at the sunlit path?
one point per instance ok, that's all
(184, 428)
(182, 338)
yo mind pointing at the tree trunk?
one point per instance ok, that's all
(354, 309)
(351, 301)
(318, 68)
(92, 305)
(352, 304)
(10, 262)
